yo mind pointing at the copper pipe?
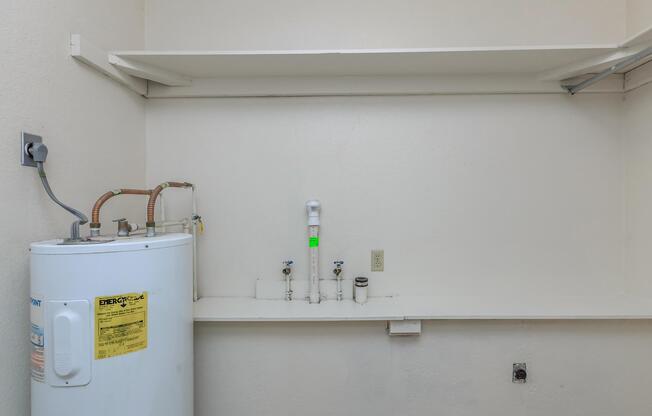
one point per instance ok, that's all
(151, 204)
(95, 220)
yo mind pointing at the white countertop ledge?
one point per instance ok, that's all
(245, 309)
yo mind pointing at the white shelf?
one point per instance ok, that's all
(295, 73)
(365, 62)
(228, 309)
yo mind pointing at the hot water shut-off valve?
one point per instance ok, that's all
(287, 273)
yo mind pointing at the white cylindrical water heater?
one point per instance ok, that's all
(111, 327)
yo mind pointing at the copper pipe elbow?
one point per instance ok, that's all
(95, 215)
(151, 204)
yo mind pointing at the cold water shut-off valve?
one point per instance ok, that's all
(337, 271)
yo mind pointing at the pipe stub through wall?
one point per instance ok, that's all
(362, 281)
(360, 290)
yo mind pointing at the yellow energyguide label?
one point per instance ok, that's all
(120, 324)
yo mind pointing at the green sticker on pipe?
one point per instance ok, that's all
(313, 242)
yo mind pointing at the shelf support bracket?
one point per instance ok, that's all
(150, 72)
(638, 77)
(96, 58)
(575, 88)
(591, 65)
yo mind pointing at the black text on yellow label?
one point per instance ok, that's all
(120, 324)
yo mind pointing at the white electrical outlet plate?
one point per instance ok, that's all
(377, 260)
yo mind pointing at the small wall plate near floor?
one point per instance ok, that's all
(519, 373)
(407, 327)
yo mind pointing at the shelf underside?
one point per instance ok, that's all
(404, 62)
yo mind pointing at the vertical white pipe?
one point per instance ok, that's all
(288, 288)
(313, 238)
(193, 220)
(313, 207)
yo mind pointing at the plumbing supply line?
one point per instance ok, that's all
(338, 276)
(185, 223)
(188, 225)
(161, 210)
(81, 218)
(139, 229)
(288, 288)
(287, 272)
(313, 207)
(194, 219)
(151, 204)
(313, 237)
(95, 214)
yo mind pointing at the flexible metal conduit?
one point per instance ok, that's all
(82, 219)
(95, 215)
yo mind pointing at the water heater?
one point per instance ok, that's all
(111, 327)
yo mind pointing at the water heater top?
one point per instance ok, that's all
(133, 243)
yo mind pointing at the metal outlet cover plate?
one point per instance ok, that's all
(516, 367)
(25, 140)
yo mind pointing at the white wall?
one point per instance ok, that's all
(639, 16)
(556, 162)
(454, 368)
(499, 194)
(466, 194)
(472, 194)
(93, 128)
(639, 187)
(318, 24)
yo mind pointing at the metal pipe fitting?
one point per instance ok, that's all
(123, 227)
